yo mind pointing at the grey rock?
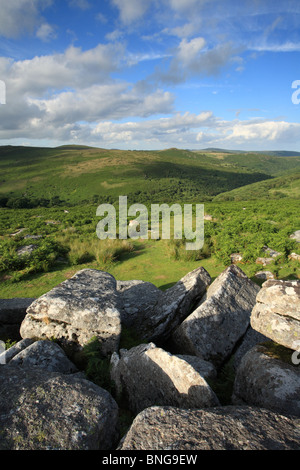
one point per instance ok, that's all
(220, 321)
(10, 353)
(26, 250)
(264, 381)
(296, 236)
(139, 299)
(52, 411)
(79, 309)
(149, 375)
(12, 313)
(276, 313)
(265, 275)
(46, 355)
(154, 313)
(220, 428)
(206, 369)
(251, 339)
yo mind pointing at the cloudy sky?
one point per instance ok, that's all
(150, 74)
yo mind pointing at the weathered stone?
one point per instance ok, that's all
(272, 253)
(264, 381)
(149, 375)
(26, 250)
(251, 339)
(12, 313)
(52, 411)
(264, 261)
(46, 355)
(222, 318)
(176, 303)
(83, 307)
(10, 353)
(265, 275)
(294, 257)
(277, 312)
(139, 299)
(154, 313)
(222, 428)
(206, 369)
(236, 258)
(296, 236)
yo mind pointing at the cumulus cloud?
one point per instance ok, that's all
(131, 10)
(21, 16)
(46, 32)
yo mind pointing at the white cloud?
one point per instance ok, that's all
(131, 10)
(20, 16)
(46, 32)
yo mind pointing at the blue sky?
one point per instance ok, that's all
(150, 74)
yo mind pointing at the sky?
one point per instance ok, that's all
(150, 74)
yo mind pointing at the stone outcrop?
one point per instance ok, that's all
(85, 306)
(149, 375)
(277, 312)
(53, 411)
(165, 309)
(173, 386)
(220, 428)
(12, 313)
(45, 355)
(268, 382)
(222, 318)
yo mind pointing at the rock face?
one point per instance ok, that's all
(222, 318)
(153, 313)
(277, 312)
(12, 313)
(52, 411)
(251, 339)
(85, 306)
(149, 375)
(45, 355)
(222, 428)
(267, 382)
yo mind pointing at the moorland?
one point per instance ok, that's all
(49, 198)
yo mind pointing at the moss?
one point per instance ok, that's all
(277, 351)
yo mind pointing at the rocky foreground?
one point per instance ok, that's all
(187, 334)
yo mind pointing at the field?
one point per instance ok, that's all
(49, 198)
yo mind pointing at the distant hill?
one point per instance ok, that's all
(77, 174)
(276, 188)
(275, 153)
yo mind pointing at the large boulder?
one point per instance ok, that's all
(277, 312)
(46, 355)
(12, 313)
(139, 299)
(149, 376)
(51, 411)
(251, 339)
(264, 380)
(221, 428)
(222, 318)
(152, 313)
(83, 307)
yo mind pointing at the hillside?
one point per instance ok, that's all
(282, 187)
(77, 174)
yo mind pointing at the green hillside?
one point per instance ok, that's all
(76, 174)
(282, 187)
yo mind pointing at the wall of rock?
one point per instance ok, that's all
(187, 334)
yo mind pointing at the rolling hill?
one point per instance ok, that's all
(77, 174)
